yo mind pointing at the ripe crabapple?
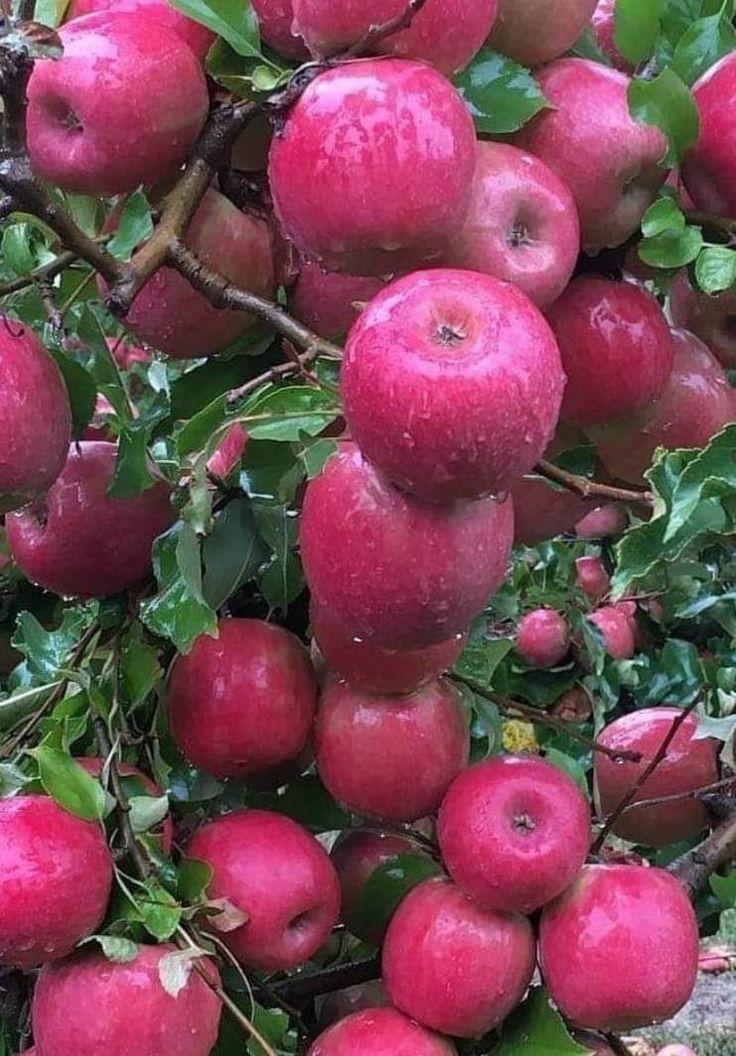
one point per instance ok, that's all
(536, 31)
(542, 638)
(377, 1032)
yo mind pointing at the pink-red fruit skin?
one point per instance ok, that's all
(373, 171)
(591, 577)
(618, 630)
(34, 433)
(198, 37)
(619, 949)
(277, 874)
(275, 22)
(541, 512)
(690, 763)
(244, 702)
(47, 858)
(603, 25)
(606, 521)
(537, 31)
(616, 349)
(542, 638)
(708, 167)
(365, 744)
(121, 107)
(89, 1006)
(378, 1032)
(514, 831)
(325, 301)
(453, 966)
(80, 541)
(712, 319)
(401, 573)
(498, 404)
(522, 226)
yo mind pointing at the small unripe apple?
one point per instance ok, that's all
(393, 147)
(498, 404)
(541, 511)
(607, 521)
(279, 877)
(522, 226)
(603, 25)
(591, 577)
(89, 1006)
(542, 638)
(80, 541)
(617, 628)
(355, 999)
(573, 706)
(707, 167)
(401, 573)
(198, 37)
(56, 878)
(536, 31)
(378, 1032)
(244, 702)
(514, 831)
(711, 318)
(36, 422)
(329, 303)
(690, 763)
(135, 783)
(365, 746)
(102, 127)
(276, 24)
(452, 965)
(619, 949)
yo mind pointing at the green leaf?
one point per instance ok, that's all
(50, 12)
(666, 101)
(134, 470)
(572, 767)
(47, 651)
(194, 879)
(481, 657)
(115, 948)
(724, 888)
(179, 611)
(672, 249)
(232, 19)
(282, 581)
(286, 413)
(12, 779)
(715, 463)
(232, 554)
(159, 910)
(662, 215)
(82, 390)
(67, 783)
(715, 269)
(387, 886)
(537, 1029)
(134, 226)
(140, 669)
(146, 812)
(23, 703)
(15, 249)
(500, 94)
(636, 28)
(705, 42)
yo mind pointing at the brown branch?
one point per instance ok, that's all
(273, 374)
(376, 33)
(591, 489)
(723, 223)
(694, 867)
(236, 1012)
(133, 845)
(44, 273)
(303, 988)
(694, 793)
(619, 1047)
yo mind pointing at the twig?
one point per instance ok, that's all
(273, 374)
(642, 777)
(619, 1047)
(724, 223)
(141, 860)
(236, 1012)
(44, 273)
(693, 793)
(303, 988)
(376, 33)
(591, 489)
(695, 866)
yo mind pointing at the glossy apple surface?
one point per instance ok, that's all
(619, 949)
(47, 857)
(135, 783)
(605, 522)
(588, 137)
(452, 965)
(276, 23)
(522, 226)
(377, 1032)
(712, 319)
(537, 31)
(229, 453)
(398, 572)
(198, 37)
(542, 638)
(89, 1006)
(591, 577)
(329, 303)
(514, 831)
(690, 763)
(709, 166)
(120, 108)
(273, 870)
(618, 631)
(34, 433)
(451, 384)
(80, 541)
(373, 171)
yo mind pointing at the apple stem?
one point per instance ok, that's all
(592, 489)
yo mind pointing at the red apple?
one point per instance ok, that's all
(537, 31)
(277, 874)
(603, 24)
(707, 168)
(591, 577)
(690, 763)
(607, 521)
(135, 783)
(229, 453)
(541, 511)
(36, 422)
(445, 33)
(542, 638)
(522, 226)
(98, 428)
(244, 702)
(121, 107)
(89, 1006)
(276, 22)
(618, 630)
(452, 965)
(393, 570)
(355, 999)
(81, 542)
(366, 745)
(619, 949)
(616, 349)
(712, 319)
(197, 36)
(696, 403)
(125, 354)
(451, 384)
(378, 1032)
(172, 317)
(514, 831)
(57, 875)
(327, 302)
(608, 160)
(373, 170)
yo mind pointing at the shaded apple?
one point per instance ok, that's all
(135, 783)
(605, 522)
(609, 161)
(452, 965)
(99, 427)
(89, 1006)
(591, 577)
(618, 630)
(542, 638)
(276, 24)
(522, 226)
(401, 573)
(345, 1003)
(121, 107)
(79, 540)
(537, 31)
(708, 167)
(514, 831)
(48, 857)
(603, 25)
(542, 511)
(377, 1032)
(619, 949)
(690, 763)
(451, 384)
(34, 432)
(329, 303)
(593, 1043)
(244, 702)
(198, 37)
(573, 706)
(711, 318)
(373, 170)
(280, 877)
(230, 451)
